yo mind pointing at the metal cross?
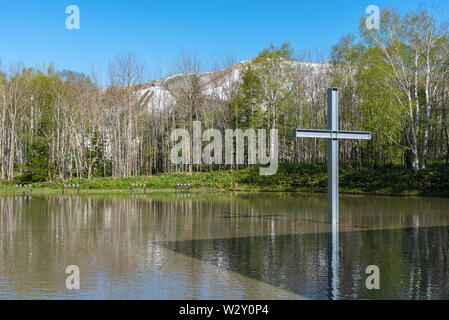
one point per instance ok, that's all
(333, 135)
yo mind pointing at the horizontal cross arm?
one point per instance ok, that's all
(304, 133)
(359, 135)
(328, 134)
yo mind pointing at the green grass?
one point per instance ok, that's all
(397, 181)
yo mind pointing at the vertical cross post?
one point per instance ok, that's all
(332, 196)
(332, 156)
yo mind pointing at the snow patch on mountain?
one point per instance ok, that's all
(216, 85)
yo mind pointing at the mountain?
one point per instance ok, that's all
(215, 85)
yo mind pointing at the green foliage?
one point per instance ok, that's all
(37, 167)
(346, 51)
(95, 156)
(273, 52)
(247, 105)
(432, 181)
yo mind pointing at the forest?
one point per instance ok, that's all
(58, 125)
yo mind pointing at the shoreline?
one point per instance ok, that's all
(8, 191)
(291, 178)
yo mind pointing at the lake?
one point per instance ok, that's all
(221, 246)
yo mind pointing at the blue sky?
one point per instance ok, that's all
(34, 31)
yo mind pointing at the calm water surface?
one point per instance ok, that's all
(221, 246)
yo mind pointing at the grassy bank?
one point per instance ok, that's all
(433, 181)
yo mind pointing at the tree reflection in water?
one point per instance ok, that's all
(221, 245)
